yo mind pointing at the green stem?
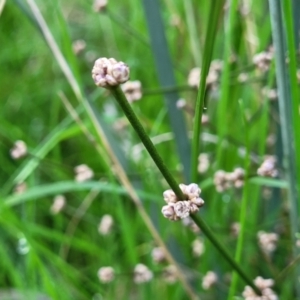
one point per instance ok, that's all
(215, 10)
(208, 233)
(123, 102)
(244, 205)
(121, 99)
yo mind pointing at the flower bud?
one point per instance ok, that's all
(108, 72)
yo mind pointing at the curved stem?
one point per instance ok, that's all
(209, 234)
(123, 102)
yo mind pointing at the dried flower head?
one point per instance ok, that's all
(224, 180)
(270, 93)
(181, 103)
(83, 173)
(19, 150)
(265, 286)
(105, 225)
(235, 229)
(221, 181)
(198, 247)
(142, 274)
(237, 177)
(212, 76)
(20, 188)
(108, 72)
(132, 90)
(203, 163)
(170, 274)
(99, 5)
(179, 209)
(267, 241)
(106, 274)
(268, 167)
(263, 60)
(243, 77)
(58, 204)
(194, 77)
(78, 46)
(209, 279)
(158, 255)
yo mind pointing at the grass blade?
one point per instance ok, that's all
(166, 77)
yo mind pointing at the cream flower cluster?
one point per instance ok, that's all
(268, 167)
(178, 209)
(209, 279)
(224, 180)
(265, 286)
(263, 60)
(19, 150)
(132, 90)
(108, 72)
(267, 241)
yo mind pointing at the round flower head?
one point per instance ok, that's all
(106, 274)
(108, 72)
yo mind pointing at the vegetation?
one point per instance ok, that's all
(214, 86)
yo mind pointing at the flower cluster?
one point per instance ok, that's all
(263, 60)
(58, 204)
(212, 76)
(178, 209)
(158, 255)
(105, 225)
(209, 279)
(106, 274)
(20, 188)
(132, 90)
(78, 46)
(83, 173)
(265, 286)
(203, 162)
(267, 241)
(99, 5)
(268, 167)
(170, 274)
(198, 247)
(142, 274)
(19, 150)
(225, 180)
(108, 72)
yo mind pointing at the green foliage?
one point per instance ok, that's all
(50, 102)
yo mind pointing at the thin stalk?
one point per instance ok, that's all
(285, 108)
(215, 11)
(209, 234)
(123, 102)
(194, 37)
(225, 80)
(244, 205)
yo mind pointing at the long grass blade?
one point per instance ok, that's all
(285, 108)
(166, 77)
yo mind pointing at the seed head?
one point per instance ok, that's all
(265, 286)
(99, 5)
(142, 274)
(19, 150)
(106, 274)
(58, 204)
(132, 90)
(105, 225)
(83, 173)
(180, 209)
(209, 279)
(108, 72)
